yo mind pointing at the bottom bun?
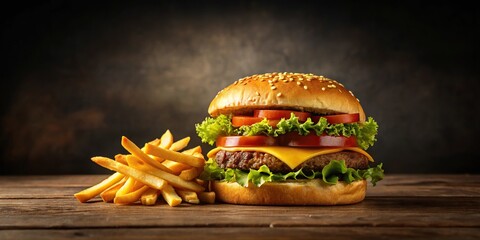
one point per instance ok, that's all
(296, 192)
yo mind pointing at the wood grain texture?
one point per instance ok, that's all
(401, 206)
(233, 233)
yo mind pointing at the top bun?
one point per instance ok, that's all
(295, 91)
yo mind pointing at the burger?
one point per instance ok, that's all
(288, 139)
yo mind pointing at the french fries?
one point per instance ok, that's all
(180, 144)
(94, 190)
(190, 174)
(166, 140)
(131, 196)
(109, 194)
(207, 197)
(188, 196)
(170, 196)
(133, 149)
(171, 178)
(157, 169)
(149, 197)
(143, 177)
(174, 156)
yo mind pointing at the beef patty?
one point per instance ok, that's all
(254, 160)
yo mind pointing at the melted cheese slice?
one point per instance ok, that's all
(290, 156)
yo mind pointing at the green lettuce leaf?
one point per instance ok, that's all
(211, 128)
(366, 135)
(332, 173)
(260, 128)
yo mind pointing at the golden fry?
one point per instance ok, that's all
(130, 197)
(155, 142)
(175, 156)
(127, 187)
(191, 151)
(94, 190)
(198, 155)
(188, 196)
(121, 158)
(180, 144)
(207, 197)
(134, 150)
(170, 196)
(170, 178)
(149, 197)
(166, 140)
(190, 174)
(157, 168)
(109, 194)
(176, 167)
(145, 178)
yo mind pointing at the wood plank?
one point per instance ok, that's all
(401, 206)
(233, 233)
(374, 211)
(51, 180)
(427, 185)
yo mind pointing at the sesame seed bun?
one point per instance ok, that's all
(294, 192)
(295, 91)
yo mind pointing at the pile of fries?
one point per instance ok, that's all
(159, 168)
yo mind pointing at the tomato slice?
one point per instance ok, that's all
(245, 141)
(339, 118)
(238, 121)
(279, 114)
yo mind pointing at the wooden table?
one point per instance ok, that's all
(401, 206)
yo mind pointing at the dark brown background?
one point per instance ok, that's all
(77, 75)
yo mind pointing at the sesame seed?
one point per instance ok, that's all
(273, 87)
(279, 94)
(339, 90)
(299, 83)
(323, 88)
(257, 93)
(305, 87)
(358, 100)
